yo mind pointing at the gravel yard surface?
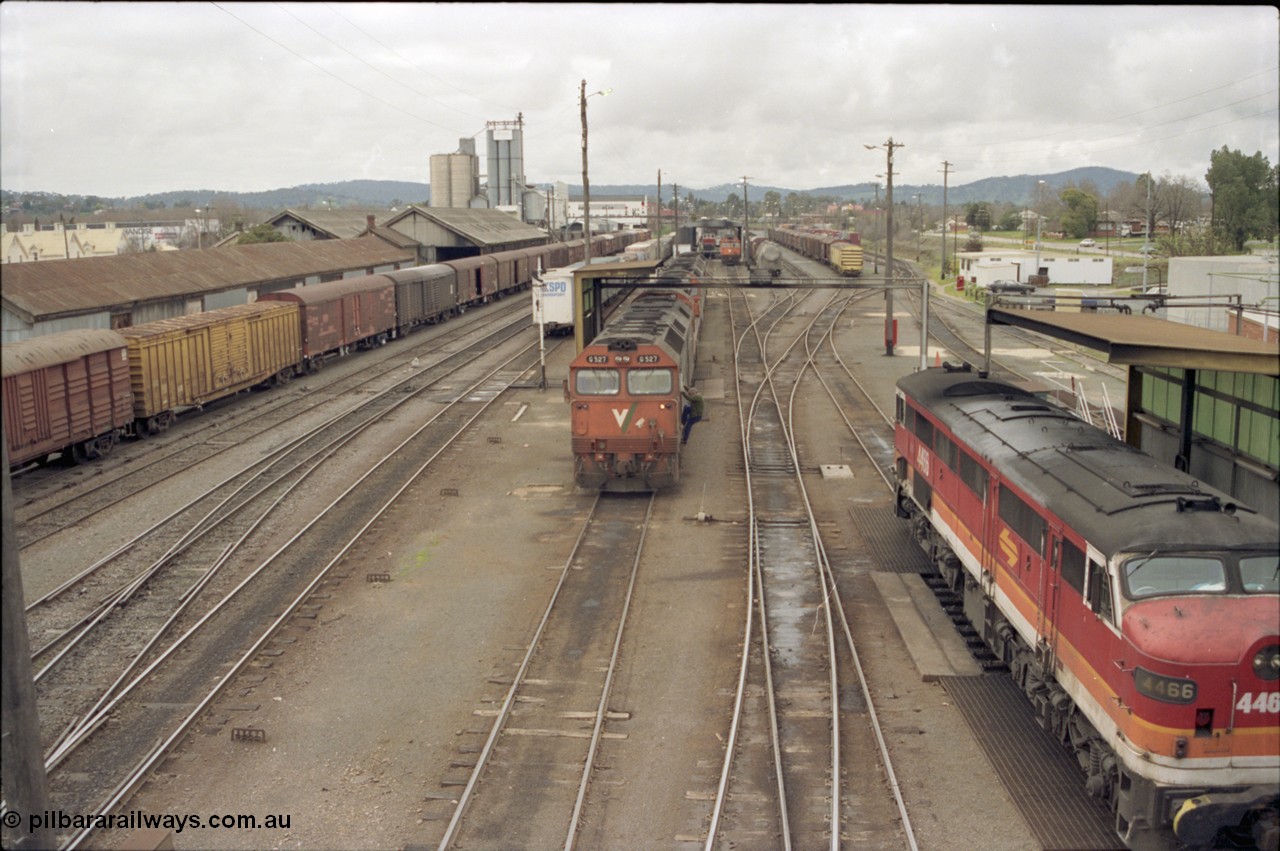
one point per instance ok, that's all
(372, 702)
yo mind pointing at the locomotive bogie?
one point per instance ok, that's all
(1137, 610)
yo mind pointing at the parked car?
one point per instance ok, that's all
(1017, 287)
(1087, 243)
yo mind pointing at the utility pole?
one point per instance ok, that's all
(890, 329)
(946, 174)
(675, 224)
(875, 254)
(746, 224)
(658, 230)
(586, 185)
(26, 785)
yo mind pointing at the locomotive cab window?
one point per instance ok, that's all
(1260, 574)
(649, 382)
(597, 382)
(1156, 575)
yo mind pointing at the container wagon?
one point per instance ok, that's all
(67, 391)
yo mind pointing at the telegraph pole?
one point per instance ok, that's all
(26, 785)
(946, 173)
(889, 324)
(746, 224)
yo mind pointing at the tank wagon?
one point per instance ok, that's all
(624, 392)
(1138, 609)
(79, 392)
(766, 258)
(65, 392)
(837, 250)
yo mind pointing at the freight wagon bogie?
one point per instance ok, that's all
(1137, 610)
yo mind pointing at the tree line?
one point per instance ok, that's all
(1241, 202)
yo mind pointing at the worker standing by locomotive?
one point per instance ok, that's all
(692, 413)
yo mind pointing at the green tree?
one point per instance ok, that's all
(978, 215)
(262, 233)
(1081, 215)
(1244, 196)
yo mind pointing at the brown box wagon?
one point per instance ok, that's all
(66, 391)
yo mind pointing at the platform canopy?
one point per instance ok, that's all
(1147, 340)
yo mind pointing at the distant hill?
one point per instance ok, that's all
(348, 193)
(1018, 189)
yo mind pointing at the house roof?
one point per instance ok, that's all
(40, 291)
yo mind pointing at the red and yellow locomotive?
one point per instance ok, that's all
(624, 391)
(1139, 610)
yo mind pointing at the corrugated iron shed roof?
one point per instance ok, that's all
(481, 227)
(395, 237)
(339, 224)
(41, 291)
(1148, 340)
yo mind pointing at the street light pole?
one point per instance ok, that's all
(586, 184)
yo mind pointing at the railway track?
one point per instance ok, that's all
(191, 657)
(534, 766)
(51, 499)
(783, 782)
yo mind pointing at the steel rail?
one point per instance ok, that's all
(132, 780)
(830, 578)
(268, 407)
(315, 459)
(603, 707)
(519, 325)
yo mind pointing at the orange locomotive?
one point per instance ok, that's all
(730, 250)
(624, 391)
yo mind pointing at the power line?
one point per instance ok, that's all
(347, 83)
(417, 67)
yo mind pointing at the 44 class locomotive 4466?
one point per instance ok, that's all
(1138, 609)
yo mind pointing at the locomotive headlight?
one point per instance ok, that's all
(1266, 662)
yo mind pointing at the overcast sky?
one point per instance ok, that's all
(120, 99)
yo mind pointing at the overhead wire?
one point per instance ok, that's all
(326, 71)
